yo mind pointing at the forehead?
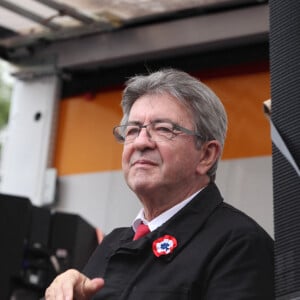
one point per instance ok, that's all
(149, 107)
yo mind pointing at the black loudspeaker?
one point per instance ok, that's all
(15, 216)
(37, 245)
(37, 269)
(72, 240)
(285, 90)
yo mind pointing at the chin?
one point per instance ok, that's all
(141, 186)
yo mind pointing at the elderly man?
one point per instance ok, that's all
(195, 246)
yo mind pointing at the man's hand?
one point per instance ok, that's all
(73, 285)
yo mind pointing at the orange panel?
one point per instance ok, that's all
(85, 142)
(248, 128)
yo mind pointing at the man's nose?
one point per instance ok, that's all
(144, 138)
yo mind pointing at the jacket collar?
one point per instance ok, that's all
(183, 225)
(188, 221)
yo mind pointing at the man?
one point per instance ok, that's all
(198, 247)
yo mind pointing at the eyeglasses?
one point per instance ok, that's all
(158, 131)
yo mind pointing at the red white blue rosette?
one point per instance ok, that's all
(164, 245)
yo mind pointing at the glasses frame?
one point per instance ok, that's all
(175, 127)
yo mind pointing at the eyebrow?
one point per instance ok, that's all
(152, 121)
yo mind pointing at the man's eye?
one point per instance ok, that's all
(163, 128)
(132, 130)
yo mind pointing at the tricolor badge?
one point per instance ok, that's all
(164, 245)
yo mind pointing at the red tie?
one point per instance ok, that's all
(141, 231)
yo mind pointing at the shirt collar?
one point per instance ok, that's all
(162, 218)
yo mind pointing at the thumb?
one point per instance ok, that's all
(90, 287)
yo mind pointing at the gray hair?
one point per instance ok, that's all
(209, 116)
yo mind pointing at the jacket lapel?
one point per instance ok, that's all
(188, 221)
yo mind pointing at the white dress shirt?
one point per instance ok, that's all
(162, 218)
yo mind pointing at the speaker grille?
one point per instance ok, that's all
(285, 90)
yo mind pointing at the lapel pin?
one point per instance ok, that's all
(164, 245)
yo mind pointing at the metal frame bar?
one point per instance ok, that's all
(67, 10)
(29, 15)
(226, 29)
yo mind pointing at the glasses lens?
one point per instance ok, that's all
(130, 132)
(117, 132)
(162, 131)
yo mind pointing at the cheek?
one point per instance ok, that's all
(171, 161)
(185, 161)
(125, 157)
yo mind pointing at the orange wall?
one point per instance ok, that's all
(85, 143)
(84, 138)
(248, 128)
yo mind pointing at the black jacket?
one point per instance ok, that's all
(221, 254)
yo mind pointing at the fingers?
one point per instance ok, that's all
(62, 286)
(89, 287)
(73, 285)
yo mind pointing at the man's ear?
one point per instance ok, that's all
(210, 152)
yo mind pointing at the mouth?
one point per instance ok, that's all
(143, 162)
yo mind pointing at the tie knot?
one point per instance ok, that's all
(141, 231)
